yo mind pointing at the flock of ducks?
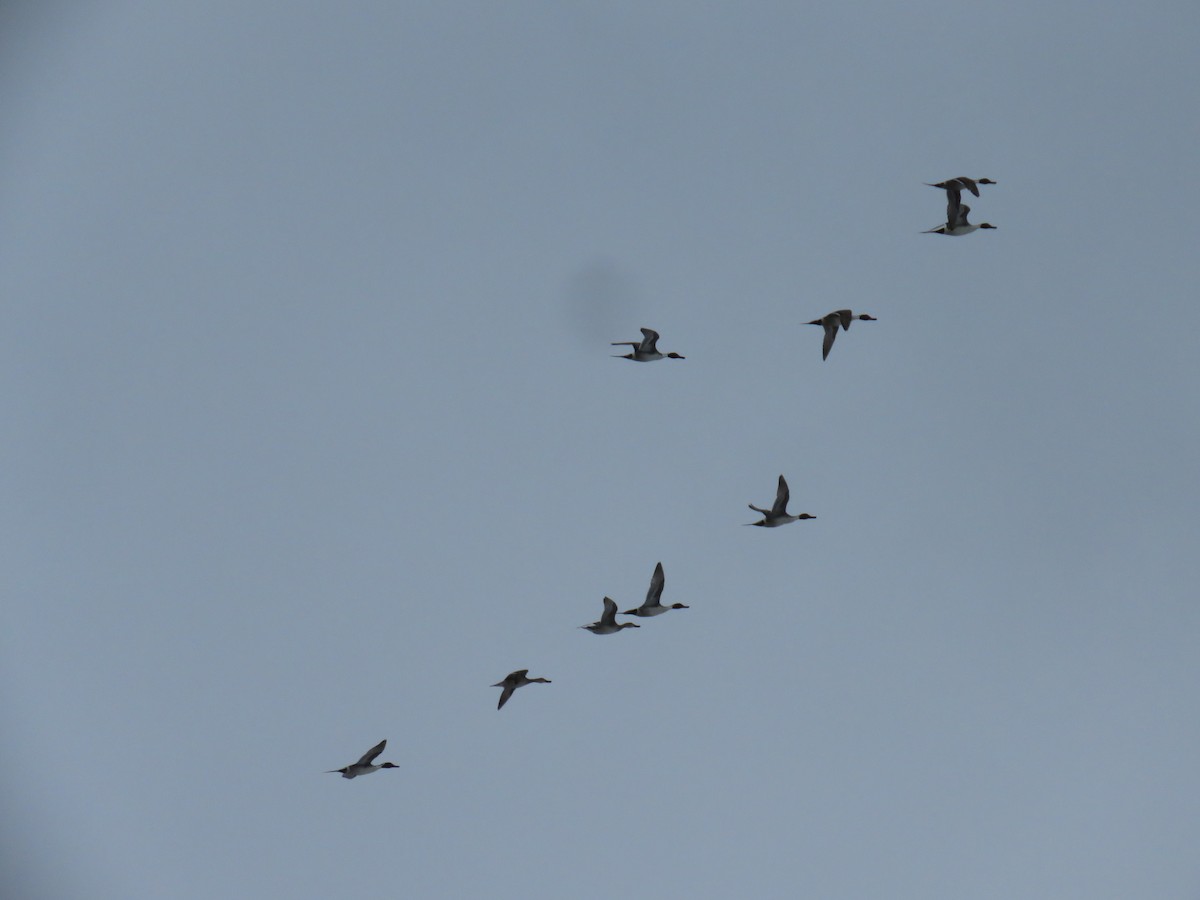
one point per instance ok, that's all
(646, 350)
(651, 606)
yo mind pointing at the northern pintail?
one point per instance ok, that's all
(514, 680)
(957, 225)
(363, 766)
(645, 350)
(778, 515)
(607, 623)
(831, 322)
(961, 183)
(652, 606)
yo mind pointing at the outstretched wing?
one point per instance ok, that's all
(953, 205)
(831, 330)
(782, 495)
(657, 580)
(650, 341)
(369, 756)
(610, 612)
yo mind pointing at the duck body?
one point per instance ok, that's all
(957, 225)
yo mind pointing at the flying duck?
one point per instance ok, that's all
(607, 623)
(363, 766)
(957, 224)
(961, 183)
(514, 680)
(831, 321)
(645, 350)
(778, 515)
(652, 606)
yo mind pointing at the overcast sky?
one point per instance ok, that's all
(312, 433)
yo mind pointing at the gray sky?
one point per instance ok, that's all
(313, 434)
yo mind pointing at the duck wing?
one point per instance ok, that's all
(831, 330)
(657, 580)
(609, 617)
(782, 494)
(369, 757)
(968, 183)
(953, 205)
